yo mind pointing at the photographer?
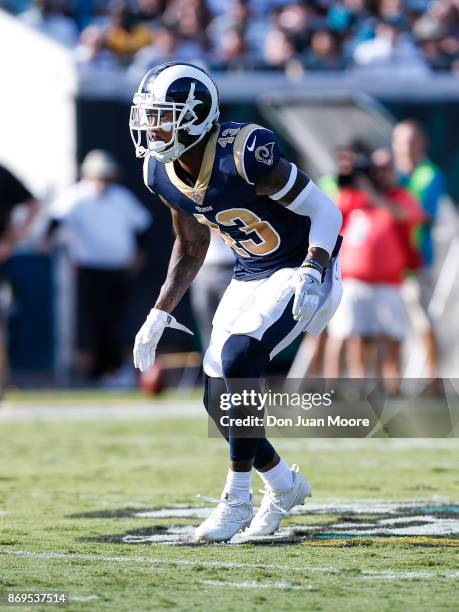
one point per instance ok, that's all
(378, 216)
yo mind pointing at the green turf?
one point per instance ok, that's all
(92, 396)
(51, 470)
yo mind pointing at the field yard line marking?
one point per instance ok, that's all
(223, 564)
(83, 597)
(376, 574)
(390, 575)
(252, 584)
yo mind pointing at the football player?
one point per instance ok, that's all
(284, 232)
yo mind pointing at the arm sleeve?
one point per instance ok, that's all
(256, 151)
(326, 218)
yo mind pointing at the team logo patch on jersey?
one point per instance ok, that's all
(265, 153)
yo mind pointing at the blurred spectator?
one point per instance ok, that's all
(430, 34)
(150, 12)
(348, 14)
(377, 216)
(427, 183)
(47, 17)
(210, 283)
(295, 20)
(167, 46)
(190, 18)
(445, 15)
(93, 49)
(392, 51)
(125, 35)
(191, 25)
(391, 10)
(232, 51)
(325, 53)
(239, 26)
(386, 36)
(238, 15)
(104, 221)
(280, 52)
(446, 12)
(12, 193)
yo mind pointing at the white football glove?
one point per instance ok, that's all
(306, 285)
(149, 335)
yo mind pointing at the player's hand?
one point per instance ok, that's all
(307, 294)
(149, 335)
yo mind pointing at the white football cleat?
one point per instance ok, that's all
(275, 506)
(228, 518)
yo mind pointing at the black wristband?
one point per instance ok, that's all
(310, 263)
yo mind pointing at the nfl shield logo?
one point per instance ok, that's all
(196, 196)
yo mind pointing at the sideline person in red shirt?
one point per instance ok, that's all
(378, 215)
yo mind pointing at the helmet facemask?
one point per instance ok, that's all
(150, 115)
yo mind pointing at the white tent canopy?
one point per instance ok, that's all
(37, 109)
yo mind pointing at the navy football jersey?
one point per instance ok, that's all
(264, 235)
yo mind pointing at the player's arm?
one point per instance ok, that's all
(188, 253)
(291, 188)
(260, 163)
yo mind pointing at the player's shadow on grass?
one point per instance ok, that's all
(118, 513)
(181, 535)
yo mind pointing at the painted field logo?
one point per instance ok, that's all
(319, 524)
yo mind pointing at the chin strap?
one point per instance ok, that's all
(141, 151)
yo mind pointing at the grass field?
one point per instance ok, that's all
(98, 500)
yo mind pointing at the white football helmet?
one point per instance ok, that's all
(177, 98)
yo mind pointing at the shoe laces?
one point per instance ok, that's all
(269, 501)
(224, 505)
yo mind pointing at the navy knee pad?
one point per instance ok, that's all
(244, 357)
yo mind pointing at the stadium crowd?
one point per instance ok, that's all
(404, 37)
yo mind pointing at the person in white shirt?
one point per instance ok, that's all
(104, 224)
(391, 52)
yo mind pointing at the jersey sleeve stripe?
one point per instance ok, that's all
(239, 148)
(288, 185)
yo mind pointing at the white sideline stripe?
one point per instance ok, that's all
(83, 597)
(373, 574)
(152, 561)
(122, 412)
